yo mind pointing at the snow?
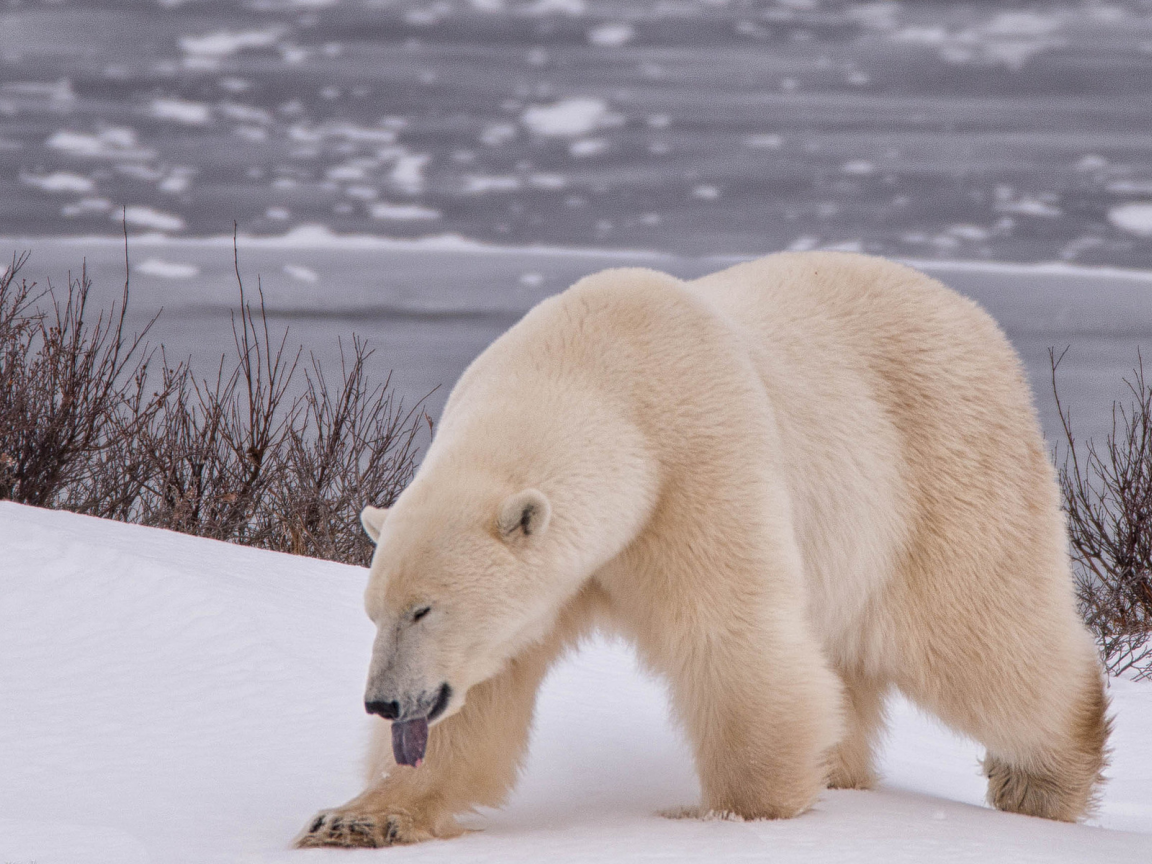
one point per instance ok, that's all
(59, 181)
(1134, 217)
(567, 118)
(301, 273)
(225, 42)
(402, 212)
(117, 142)
(149, 217)
(181, 111)
(174, 699)
(167, 269)
(611, 35)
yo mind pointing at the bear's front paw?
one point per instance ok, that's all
(349, 829)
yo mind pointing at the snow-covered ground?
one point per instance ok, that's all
(173, 699)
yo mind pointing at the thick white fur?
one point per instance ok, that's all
(795, 484)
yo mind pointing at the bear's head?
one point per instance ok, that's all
(459, 584)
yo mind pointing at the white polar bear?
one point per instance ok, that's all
(795, 485)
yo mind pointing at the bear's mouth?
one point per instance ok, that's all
(410, 737)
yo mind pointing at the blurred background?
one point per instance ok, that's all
(421, 172)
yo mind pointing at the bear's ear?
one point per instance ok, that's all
(524, 514)
(372, 518)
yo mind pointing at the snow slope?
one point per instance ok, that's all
(171, 699)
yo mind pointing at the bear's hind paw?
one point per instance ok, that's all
(364, 830)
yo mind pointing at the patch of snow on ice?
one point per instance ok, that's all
(58, 181)
(302, 273)
(764, 141)
(567, 118)
(245, 113)
(85, 207)
(167, 269)
(573, 8)
(585, 147)
(498, 134)
(1134, 217)
(147, 217)
(402, 212)
(1030, 207)
(177, 181)
(180, 111)
(408, 173)
(114, 142)
(224, 42)
(858, 167)
(477, 184)
(59, 93)
(611, 35)
(548, 181)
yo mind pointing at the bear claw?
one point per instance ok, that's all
(350, 830)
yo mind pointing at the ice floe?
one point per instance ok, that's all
(181, 111)
(611, 35)
(1030, 207)
(408, 173)
(86, 207)
(222, 43)
(584, 147)
(479, 184)
(113, 142)
(58, 181)
(301, 273)
(1134, 217)
(568, 118)
(764, 141)
(148, 217)
(402, 212)
(167, 269)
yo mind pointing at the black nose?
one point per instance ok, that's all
(387, 710)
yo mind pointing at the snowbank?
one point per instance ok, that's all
(173, 699)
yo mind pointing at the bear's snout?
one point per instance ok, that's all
(427, 705)
(388, 710)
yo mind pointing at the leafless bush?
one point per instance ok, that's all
(1108, 500)
(61, 385)
(86, 424)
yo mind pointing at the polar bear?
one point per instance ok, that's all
(794, 485)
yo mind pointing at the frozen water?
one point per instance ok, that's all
(634, 105)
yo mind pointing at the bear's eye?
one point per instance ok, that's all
(420, 613)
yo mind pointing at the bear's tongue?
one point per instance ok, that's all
(409, 738)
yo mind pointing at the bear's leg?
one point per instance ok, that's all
(1038, 706)
(472, 759)
(1057, 779)
(851, 763)
(761, 705)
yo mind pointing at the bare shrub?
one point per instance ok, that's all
(62, 384)
(234, 457)
(1108, 500)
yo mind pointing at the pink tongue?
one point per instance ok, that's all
(409, 738)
